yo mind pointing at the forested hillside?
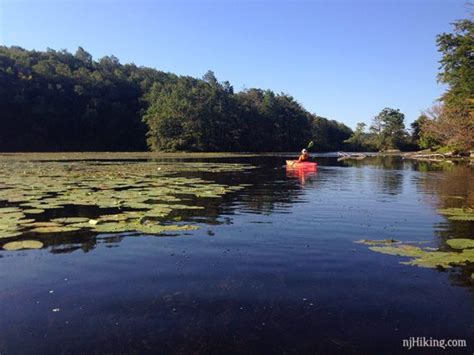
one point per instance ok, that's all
(59, 101)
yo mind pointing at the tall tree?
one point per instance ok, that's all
(360, 139)
(388, 129)
(453, 125)
(457, 65)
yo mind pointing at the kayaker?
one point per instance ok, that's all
(304, 156)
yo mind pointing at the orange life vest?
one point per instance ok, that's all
(303, 157)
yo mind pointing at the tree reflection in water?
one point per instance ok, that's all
(302, 174)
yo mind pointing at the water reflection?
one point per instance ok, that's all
(452, 185)
(379, 162)
(302, 174)
(387, 174)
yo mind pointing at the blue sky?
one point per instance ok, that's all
(342, 59)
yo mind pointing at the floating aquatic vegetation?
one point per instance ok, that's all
(60, 229)
(434, 259)
(460, 243)
(70, 220)
(131, 194)
(400, 250)
(10, 222)
(377, 242)
(458, 214)
(34, 224)
(24, 244)
(427, 257)
(9, 233)
(157, 212)
(33, 211)
(9, 210)
(114, 218)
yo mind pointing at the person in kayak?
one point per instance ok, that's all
(304, 156)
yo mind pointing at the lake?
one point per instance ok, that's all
(179, 254)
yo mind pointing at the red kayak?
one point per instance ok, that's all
(309, 165)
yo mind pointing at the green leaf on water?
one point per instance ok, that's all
(60, 229)
(9, 233)
(70, 220)
(24, 244)
(377, 242)
(401, 250)
(458, 214)
(460, 243)
(429, 258)
(33, 211)
(9, 210)
(41, 224)
(39, 186)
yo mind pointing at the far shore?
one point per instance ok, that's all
(416, 155)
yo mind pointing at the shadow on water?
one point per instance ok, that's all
(453, 187)
(272, 269)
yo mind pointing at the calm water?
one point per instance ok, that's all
(273, 269)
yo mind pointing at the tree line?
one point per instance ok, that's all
(59, 101)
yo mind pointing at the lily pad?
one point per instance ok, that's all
(428, 258)
(401, 250)
(157, 212)
(113, 218)
(61, 229)
(150, 190)
(9, 233)
(8, 210)
(113, 227)
(377, 242)
(41, 224)
(33, 211)
(83, 225)
(458, 214)
(70, 220)
(460, 243)
(24, 244)
(443, 259)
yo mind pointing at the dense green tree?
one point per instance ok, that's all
(329, 135)
(457, 64)
(416, 127)
(192, 114)
(84, 57)
(360, 140)
(206, 115)
(420, 135)
(388, 129)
